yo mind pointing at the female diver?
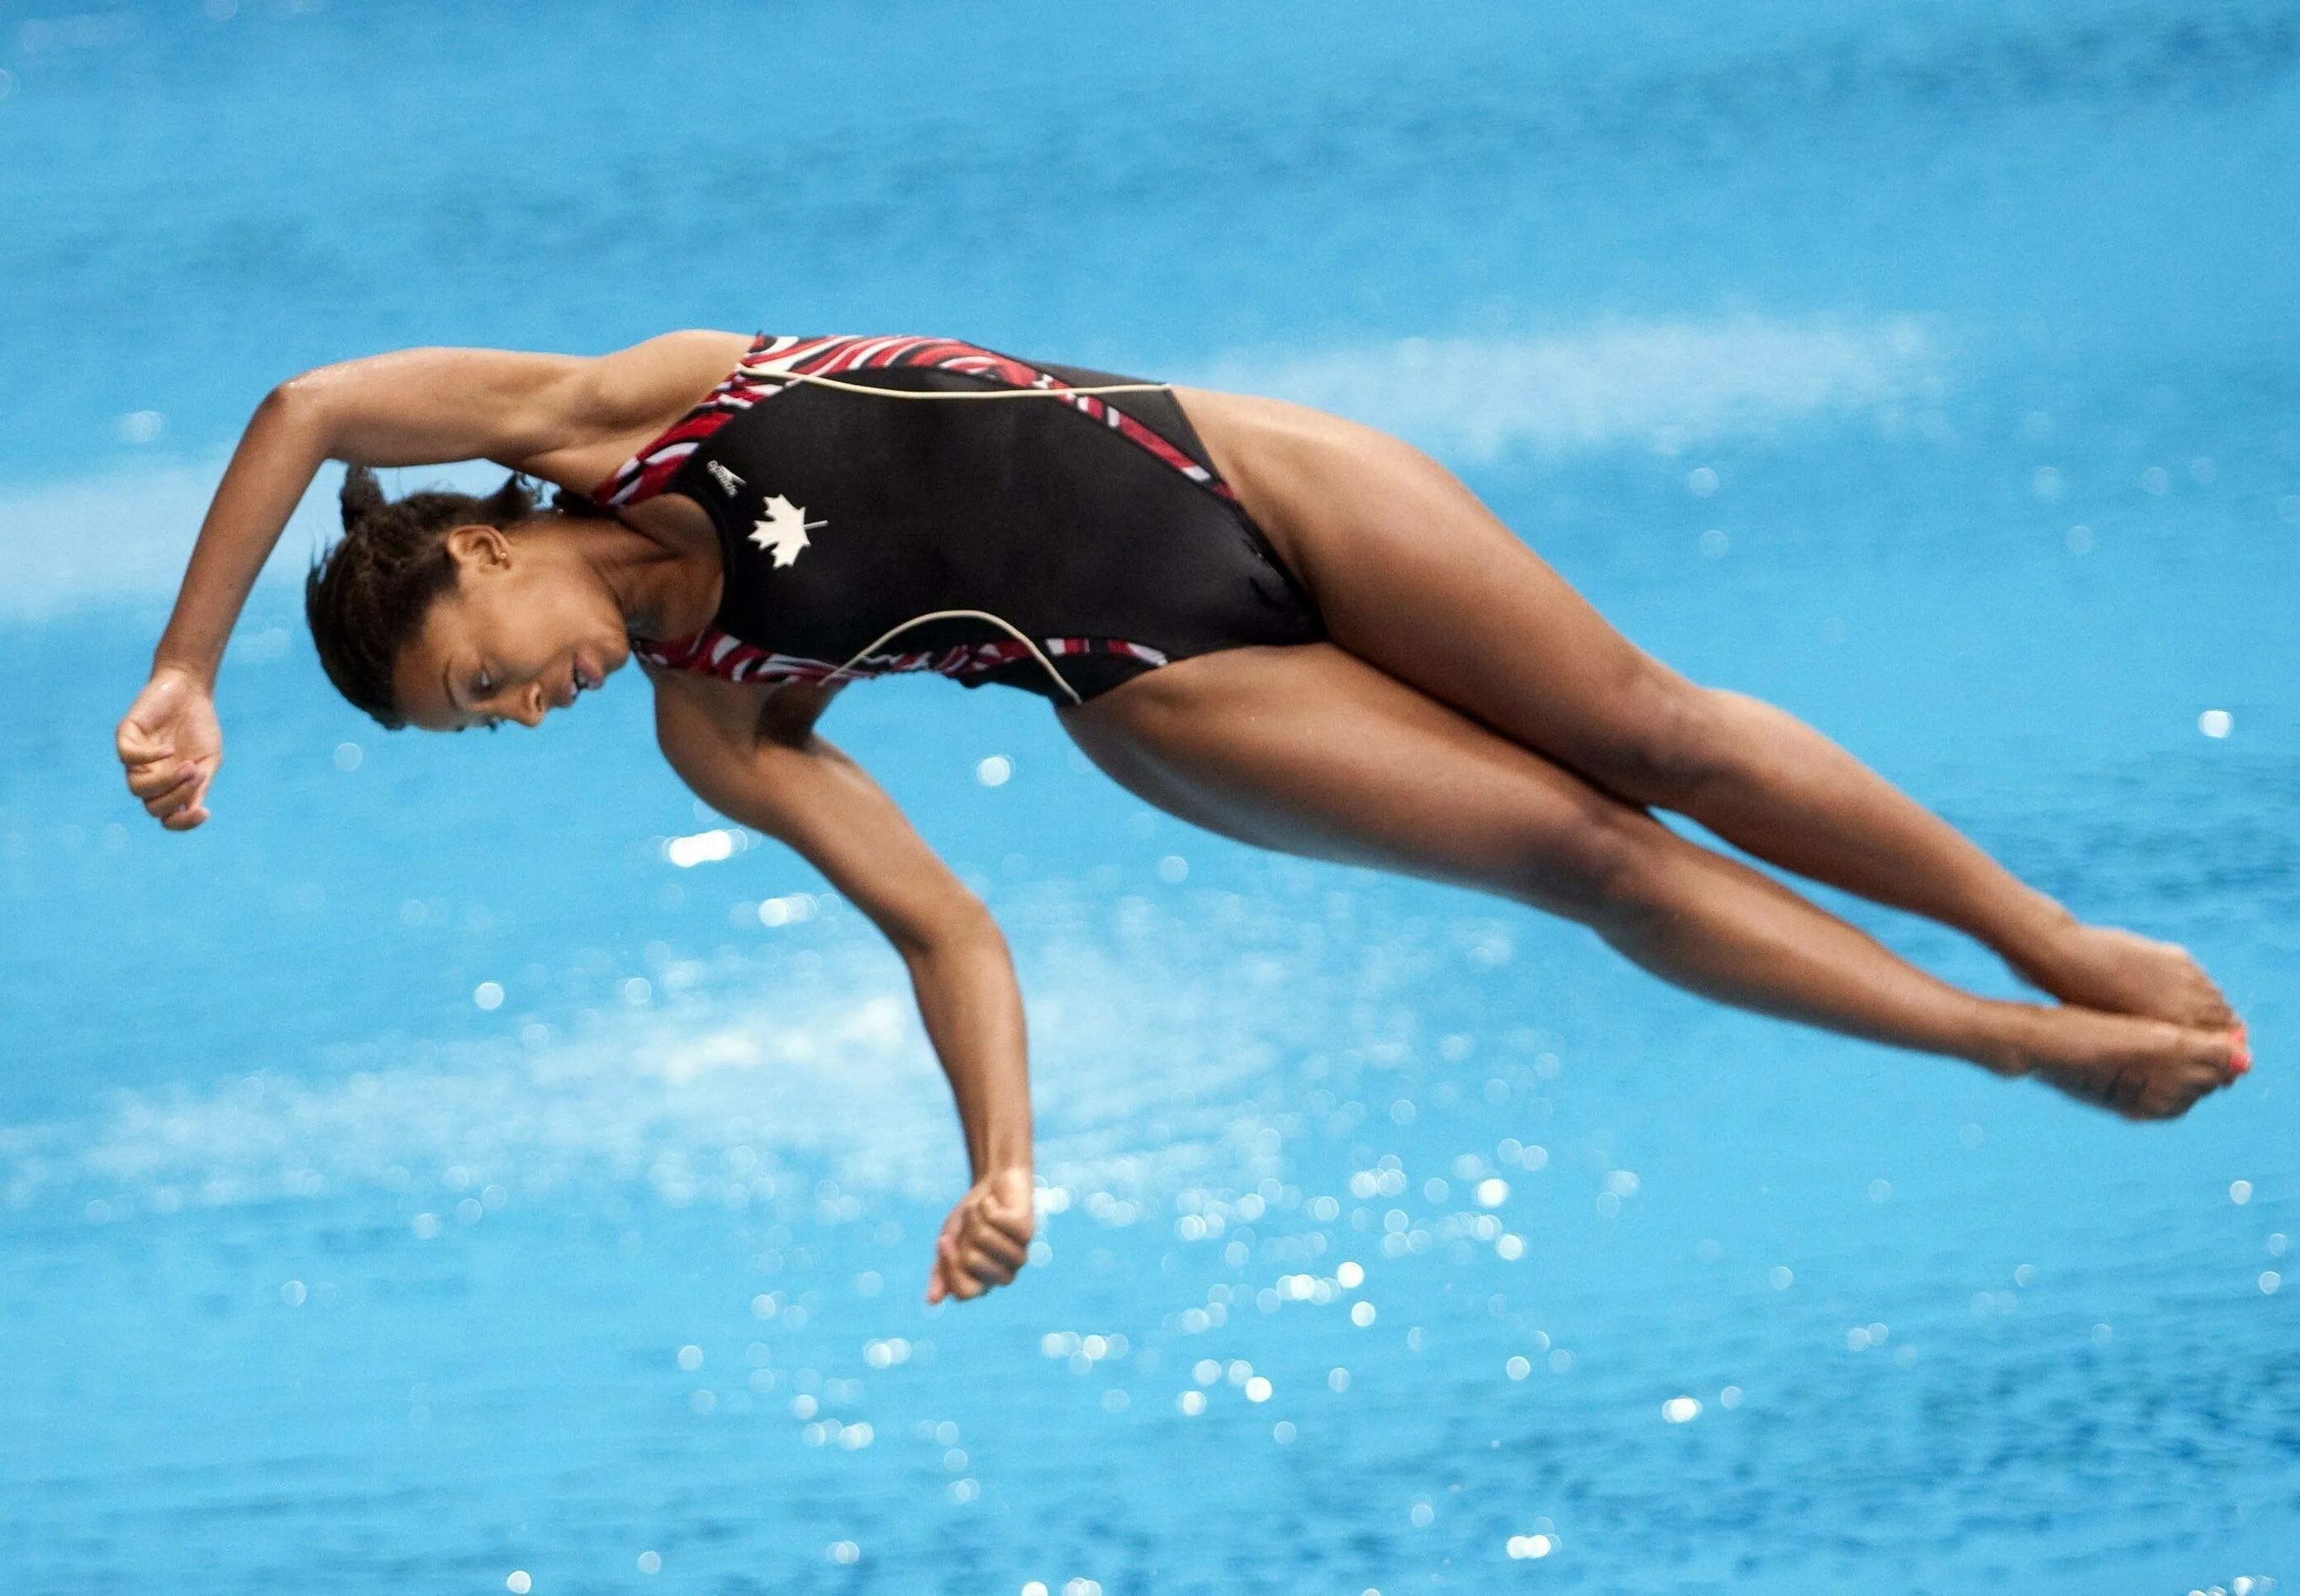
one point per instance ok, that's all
(1275, 623)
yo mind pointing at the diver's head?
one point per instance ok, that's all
(446, 610)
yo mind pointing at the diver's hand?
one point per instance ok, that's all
(987, 1238)
(170, 743)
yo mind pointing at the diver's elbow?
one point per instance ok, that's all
(959, 927)
(299, 402)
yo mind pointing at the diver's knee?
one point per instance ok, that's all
(1670, 740)
(1603, 868)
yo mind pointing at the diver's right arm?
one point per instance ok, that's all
(410, 407)
(550, 414)
(418, 406)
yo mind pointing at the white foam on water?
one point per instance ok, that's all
(1645, 384)
(124, 538)
(838, 1079)
(1657, 384)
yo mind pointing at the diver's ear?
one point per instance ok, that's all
(479, 546)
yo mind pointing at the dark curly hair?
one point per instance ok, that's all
(367, 596)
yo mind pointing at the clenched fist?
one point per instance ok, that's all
(170, 744)
(985, 1239)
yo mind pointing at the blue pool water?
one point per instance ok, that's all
(1930, 370)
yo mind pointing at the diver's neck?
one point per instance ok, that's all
(662, 593)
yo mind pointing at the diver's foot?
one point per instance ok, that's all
(2120, 972)
(2140, 1068)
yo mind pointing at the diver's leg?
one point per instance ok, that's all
(1314, 751)
(1413, 574)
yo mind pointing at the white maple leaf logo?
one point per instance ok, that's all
(783, 532)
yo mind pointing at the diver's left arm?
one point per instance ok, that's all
(771, 771)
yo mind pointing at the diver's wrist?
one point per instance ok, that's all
(194, 672)
(1009, 1150)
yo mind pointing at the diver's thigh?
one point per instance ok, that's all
(1413, 574)
(1313, 751)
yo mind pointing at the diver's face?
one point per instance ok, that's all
(525, 629)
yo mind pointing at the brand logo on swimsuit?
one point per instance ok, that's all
(783, 532)
(723, 477)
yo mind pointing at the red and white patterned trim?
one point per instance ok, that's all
(722, 655)
(651, 470)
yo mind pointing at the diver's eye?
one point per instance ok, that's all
(487, 682)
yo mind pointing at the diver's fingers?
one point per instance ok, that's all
(177, 794)
(984, 1268)
(134, 741)
(961, 1282)
(1006, 1195)
(186, 819)
(136, 747)
(986, 1237)
(1018, 1224)
(150, 778)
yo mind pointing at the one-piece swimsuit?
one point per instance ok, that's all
(1063, 542)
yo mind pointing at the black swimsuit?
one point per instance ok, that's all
(991, 541)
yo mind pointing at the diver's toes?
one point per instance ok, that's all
(2211, 1009)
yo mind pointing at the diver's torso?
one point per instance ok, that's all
(866, 532)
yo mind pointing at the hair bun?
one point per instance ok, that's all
(512, 500)
(361, 497)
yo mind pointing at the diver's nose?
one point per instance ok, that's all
(531, 707)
